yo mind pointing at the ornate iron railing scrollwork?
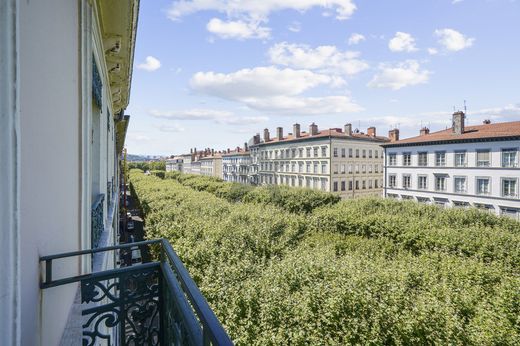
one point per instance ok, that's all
(155, 303)
(97, 220)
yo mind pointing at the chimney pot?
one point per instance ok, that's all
(313, 129)
(296, 130)
(371, 131)
(266, 135)
(393, 135)
(245, 146)
(425, 131)
(348, 129)
(458, 123)
(486, 122)
(279, 133)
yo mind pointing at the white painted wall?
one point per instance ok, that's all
(50, 164)
(495, 172)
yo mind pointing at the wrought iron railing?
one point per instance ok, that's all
(97, 220)
(154, 303)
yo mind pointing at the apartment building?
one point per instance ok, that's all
(235, 165)
(342, 161)
(461, 166)
(174, 164)
(211, 166)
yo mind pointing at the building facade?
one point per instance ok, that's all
(211, 166)
(345, 162)
(464, 166)
(174, 165)
(66, 73)
(235, 166)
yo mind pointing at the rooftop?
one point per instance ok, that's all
(333, 132)
(471, 133)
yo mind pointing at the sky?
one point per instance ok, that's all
(213, 73)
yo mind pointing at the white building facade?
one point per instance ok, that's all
(65, 71)
(211, 166)
(174, 165)
(235, 166)
(478, 166)
(348, 163)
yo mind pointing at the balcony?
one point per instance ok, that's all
(153, 303)
(97, 220)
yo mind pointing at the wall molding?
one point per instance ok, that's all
(9, 174)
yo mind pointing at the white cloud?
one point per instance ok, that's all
(295, 26)
(150, 64)
(399, 75)
(326, 59)
(432, 51)
(288, 105)
(219, 117)
(453, 40)
(402, 42)
(258, 82)
(258, 10)
(274, 90)
(238, 29)
(355, 38)
(171, 128)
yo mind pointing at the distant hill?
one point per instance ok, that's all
(134, 158)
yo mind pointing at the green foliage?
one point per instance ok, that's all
(294, 200)
(368, 271)
(148, 166)
(159, 174)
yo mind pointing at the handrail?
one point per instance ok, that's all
(212, 330)
(217, 333)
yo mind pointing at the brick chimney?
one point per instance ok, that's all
(256, 139)
(212, 152)
(279, 133)
(296, 130)
(371, 131)
(348, 129)
(424, 131)
(313, 129)
(393, 135)
(245, 146)
(228, 150)
(266, 135)
(458, 123)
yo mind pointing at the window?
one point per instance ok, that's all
(315, 152)
(440, 158)
(343, 185)
(440, 182)
(293, 167)
(375, 184)
(342, 152)
(460, 204)
(364, 153)
(460, 185)
(407, 159)
(407, 181)
(300, 167)
(357, 153)
(369, 183)
(392, 159)
(324, 184)
(483, 186)
(349, 169)
(350, 185)
(300, 150)
(357, 184)
(350, 152)
(357, 168)
(424, 200)
(342, 168)
(293, 153)
(392, 180)
(370, 153)
(363, 168)
(483, 158)
(460, 159)
(376, 168)
(323, 151)
(369, 168)
(364, 184)
(324, 168)
(510, 212)
(376, 154)
(308, 152)
(335, 152)
(509, 158)
(509, 187)
(335, 186)
(315, 168)
(423, 159)
(308, 167)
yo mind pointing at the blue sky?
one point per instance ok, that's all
(212, 73)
